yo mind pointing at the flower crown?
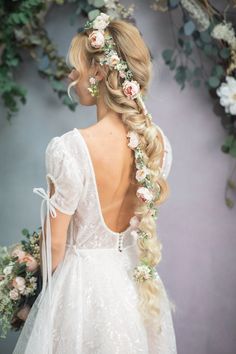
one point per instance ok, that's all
(99, 39)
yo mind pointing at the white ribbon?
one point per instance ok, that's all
(46, 254)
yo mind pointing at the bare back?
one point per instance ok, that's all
(113, 163)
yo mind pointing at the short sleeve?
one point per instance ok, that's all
(63, 171)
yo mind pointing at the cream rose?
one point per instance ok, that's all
(134, 221)
(19, 283)
(113, 60)
(131, 88)
(144, 194)
(14, 294)
(141, 174)
(134, 139)
(96, 39)
(101, 21)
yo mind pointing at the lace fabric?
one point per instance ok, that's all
(89, 304)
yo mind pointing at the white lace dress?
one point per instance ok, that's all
(90, 303)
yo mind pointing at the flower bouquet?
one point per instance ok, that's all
(20, 281)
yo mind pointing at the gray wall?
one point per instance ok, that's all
(196, 228)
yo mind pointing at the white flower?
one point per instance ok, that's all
(7, 270)
(92, 80)
(227, 94)
(134, 139)
(143, 272)
(101, 21)
(19, 283)
(113, 60)
(225, 31)
(134, 221)
(96, 39)
(144, 194)
(141, 173)
(135, 234)
(14, 294)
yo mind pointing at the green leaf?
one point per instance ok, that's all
(172, 64)
(232, 149)
(180, 75)
(188, 46)
(205, 37)
(189, 28)
(93, 14)
(213, 81)
(218, 71)
(98, 3)
(224, 53)
(167, 55)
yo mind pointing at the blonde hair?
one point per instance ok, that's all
(80, 55)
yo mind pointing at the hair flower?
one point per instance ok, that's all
(113, 60)
(97, 39)
(141, 174)
(144, 194)
(144, 272)
(134, 221)
(101, 21)
(131, 88)
(134, 139)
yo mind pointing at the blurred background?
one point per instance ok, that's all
(197, 223)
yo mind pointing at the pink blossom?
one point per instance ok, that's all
(97, 39)
(14, 294)
(134, 139)
(144, 194)
(131, 88)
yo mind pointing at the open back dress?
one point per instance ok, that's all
(88, 305)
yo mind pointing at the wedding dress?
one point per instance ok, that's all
(90, 303)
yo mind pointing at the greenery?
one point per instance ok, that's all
(22, 29)
(201, 58)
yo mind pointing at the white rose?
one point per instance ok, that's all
(101, 21)
(227, 94)
(113, 60)
(144, 194)
(14, 294)
(19, 284)
(134, 139)
(141, 174)
(7, 270)
(134, 221)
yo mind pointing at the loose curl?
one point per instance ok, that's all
(80, 55)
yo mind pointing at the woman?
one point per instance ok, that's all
(101, 293)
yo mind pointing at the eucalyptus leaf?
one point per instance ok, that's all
(213, 81)
(232, 149)
(225, 53)
(93, 14)
(167, 55)
(189, 28)
(218, 71)
(99, 3)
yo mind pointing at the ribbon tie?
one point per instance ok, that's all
(46, 254)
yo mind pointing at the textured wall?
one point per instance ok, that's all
(195, 226)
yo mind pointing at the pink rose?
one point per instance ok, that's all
(92, 80)
(144, 194)
(31, 263)
(23, 312)
(97, 39)
(134, 139)
(131, 88)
